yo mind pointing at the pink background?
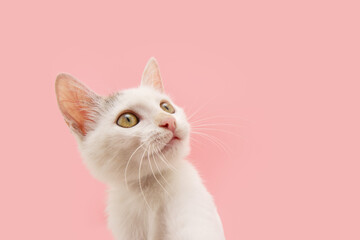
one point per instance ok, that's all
(285, 73)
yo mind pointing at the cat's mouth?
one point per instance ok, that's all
(173, 139)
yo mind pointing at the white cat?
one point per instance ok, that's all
(136, 142)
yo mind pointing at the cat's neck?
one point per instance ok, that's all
(159, 181)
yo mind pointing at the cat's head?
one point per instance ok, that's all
(135, 131)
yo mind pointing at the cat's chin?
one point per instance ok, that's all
(173, 141)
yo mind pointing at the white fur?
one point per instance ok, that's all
(153, 194)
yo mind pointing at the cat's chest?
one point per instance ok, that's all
(130, 217)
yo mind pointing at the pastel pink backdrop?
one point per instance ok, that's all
(286, 73)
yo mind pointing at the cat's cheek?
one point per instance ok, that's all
(185, 147)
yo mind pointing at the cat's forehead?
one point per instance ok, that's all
(137, 96)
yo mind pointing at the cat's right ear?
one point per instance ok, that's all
(77, 103)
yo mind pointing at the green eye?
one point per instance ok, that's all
(167, 107)
(127, 120)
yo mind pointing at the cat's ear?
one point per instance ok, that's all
(151, 76)
(78, 104)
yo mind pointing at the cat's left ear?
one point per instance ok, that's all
(151, 76)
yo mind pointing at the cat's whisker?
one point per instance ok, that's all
(166, 162)
(197, 141)
(163, 158)
(152, 171)
(214, 140)
(200, 108)
(141, 190)
(217, 117)
(218, 130)
(209, 135)
(215, 124)
(128, 162)
(197, 111)
(217, 140)
(157, 166)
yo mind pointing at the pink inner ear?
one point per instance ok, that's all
(156, 80)
(75, 101)
(151, 76)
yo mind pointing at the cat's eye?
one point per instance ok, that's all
(167, 107)
(127, 120)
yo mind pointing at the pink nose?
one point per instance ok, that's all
(168, 123)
